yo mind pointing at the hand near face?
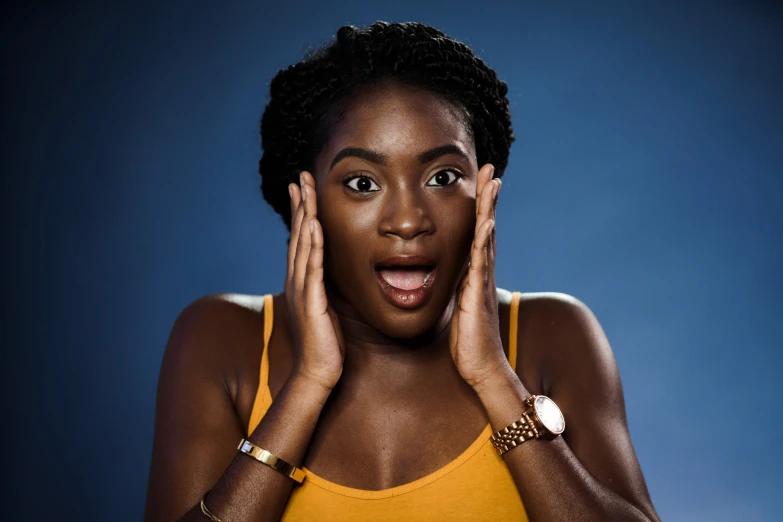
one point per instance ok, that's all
(319, 350)
(475, 342)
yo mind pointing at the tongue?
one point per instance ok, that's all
(404, 279)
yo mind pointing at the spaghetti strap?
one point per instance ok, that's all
(263, 396)
(269, 320)
(512, 330)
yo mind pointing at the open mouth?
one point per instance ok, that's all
(406, 278)
(406, 281)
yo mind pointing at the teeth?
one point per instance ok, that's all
(428, 277)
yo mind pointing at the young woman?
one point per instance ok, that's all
(391, 380)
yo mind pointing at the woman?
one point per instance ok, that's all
(391, 374)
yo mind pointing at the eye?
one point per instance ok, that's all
(443, 178)
(362, 184)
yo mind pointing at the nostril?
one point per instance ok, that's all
(406, 220)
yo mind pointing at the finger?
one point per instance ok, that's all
(296, 225)
(491, 256)
(315, 293)
(293, 199)
(461, 293)
(493, 242)
(484, 176)
(485, 205)
(303, 244)
(477, 272)
(499, 185)
(308, 182)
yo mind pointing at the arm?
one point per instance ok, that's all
(591, 471)
(197, 431)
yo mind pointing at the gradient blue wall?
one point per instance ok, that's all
(646, 180)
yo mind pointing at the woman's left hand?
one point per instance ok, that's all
(475, 342)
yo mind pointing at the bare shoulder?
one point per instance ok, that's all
(559, 337)
(217, 336)
(553, 300)
(215, 318)
(556, 311)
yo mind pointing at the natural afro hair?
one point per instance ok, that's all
(294, 123)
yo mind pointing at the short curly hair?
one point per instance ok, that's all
(296, 120)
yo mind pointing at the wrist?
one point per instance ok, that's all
(503, 396)
(307, 388)
(496, 381)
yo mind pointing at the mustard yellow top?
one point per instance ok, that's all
(475, 486)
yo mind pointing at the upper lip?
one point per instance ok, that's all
(406, 261)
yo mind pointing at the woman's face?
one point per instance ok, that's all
(397, 179)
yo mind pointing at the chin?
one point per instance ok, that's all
(403, 297)
(419, 323)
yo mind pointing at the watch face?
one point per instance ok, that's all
(549, 414)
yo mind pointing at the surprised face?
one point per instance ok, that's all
(396, 185)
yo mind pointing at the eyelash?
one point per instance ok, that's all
(457, 176)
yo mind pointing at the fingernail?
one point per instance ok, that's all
(303, 192)
(290, 192)
(492, 172)
(312, 226)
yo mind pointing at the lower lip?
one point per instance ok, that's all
(407, 298)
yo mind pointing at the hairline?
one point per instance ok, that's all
(335, 113)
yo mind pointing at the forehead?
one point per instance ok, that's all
(399, 121)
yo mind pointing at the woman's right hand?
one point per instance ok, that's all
(319, 347)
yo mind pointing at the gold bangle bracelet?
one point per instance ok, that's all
(276, 463)
(204, 509)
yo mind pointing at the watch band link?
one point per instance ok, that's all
(515, 434)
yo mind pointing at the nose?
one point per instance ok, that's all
(406, 214)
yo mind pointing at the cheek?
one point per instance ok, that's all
(347, 229)
(457, 226)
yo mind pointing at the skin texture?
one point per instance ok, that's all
(390, 374)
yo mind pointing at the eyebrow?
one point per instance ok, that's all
(381, 159)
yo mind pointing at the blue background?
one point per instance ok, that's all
(646, 181)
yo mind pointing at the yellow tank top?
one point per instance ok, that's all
(475, 486)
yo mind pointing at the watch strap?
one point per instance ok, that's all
(515, 433)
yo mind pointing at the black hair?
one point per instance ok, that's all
(298, 116)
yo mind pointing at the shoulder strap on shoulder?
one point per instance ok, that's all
(513, 322)
(263, 397)
(269, 320)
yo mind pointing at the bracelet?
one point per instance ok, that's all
(276, 463)
(204, 509)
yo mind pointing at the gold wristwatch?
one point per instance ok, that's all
(542, 419)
